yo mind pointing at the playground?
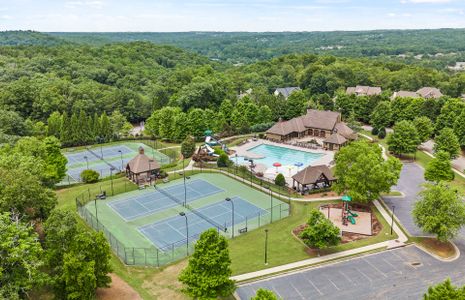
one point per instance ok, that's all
(106, 159)
(152, 226)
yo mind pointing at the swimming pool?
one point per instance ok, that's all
(285, 156)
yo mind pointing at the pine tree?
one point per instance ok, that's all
(65, 132)
(75, 130)
(105, 128)
(459, 128)
(54, 125)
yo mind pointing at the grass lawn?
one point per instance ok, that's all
(441, 249)
(247, 251)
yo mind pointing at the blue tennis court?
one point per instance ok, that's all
(153, 201)
(173, 230)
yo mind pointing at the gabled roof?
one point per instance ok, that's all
(363, 90)
(321, 119)
(142, 163)
(405, 94)
(287, 91)
(288, 127)
(336, 139)
(429, 92)
(311, 174)
(345, 131)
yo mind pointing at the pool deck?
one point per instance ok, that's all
(243, 151)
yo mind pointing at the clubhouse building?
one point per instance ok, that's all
(326, 125)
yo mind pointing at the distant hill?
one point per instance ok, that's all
(246, 47)
(28, 38)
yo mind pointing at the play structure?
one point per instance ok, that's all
(210, 142)
(347, 215)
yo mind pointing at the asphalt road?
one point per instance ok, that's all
(403, 273)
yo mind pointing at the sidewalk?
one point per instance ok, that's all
(400, 241)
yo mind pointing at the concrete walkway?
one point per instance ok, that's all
(402, 238)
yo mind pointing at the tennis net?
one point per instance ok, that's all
(193, 210)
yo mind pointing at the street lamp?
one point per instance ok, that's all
(266, 247)
(122, 163)
(87, 162)
(183, 214)
(392, 218)
(236, 163)
(184, 176)
(271, 203)
(232, 216)
(111, 180)
(150, 170)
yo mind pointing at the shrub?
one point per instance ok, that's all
(320, 232)
(280, 180)
(188, 147)
(223, 161)
(89, 176)
(162, 174)
(261, 135)
(261, 127)
(382, 133)
(374, 131)
(218, 150)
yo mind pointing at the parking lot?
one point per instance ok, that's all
(403, 273)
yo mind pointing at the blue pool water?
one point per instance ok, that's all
(284, 156)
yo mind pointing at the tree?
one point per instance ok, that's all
(295, 105)
(381, 117)
(89, 176)
(439, 168)
(439, 211)
(280, 180)
(21, 258)
(362, 172)
(79, 278)
(264, 114)
(223, 160)
(197, 122)
(320, 232)
(444, 290)
(207, 273)
(54, 124)
(424, 128)
(404, 139)
(119, 123)
(188, 147)
(263, 294)
(447, 141)
(105, 132)
(459, 128)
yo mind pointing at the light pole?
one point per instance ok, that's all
(150, 170)
(271, 204)
(87, 162)
(392, 218)
(266, 247)
(122, 163)
(183, 214)
(232, 215)
(184, 176)
(236, 164)
(111, 180)
(96, 214)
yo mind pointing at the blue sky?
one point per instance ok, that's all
(221, 15)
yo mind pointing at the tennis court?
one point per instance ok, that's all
(172, 230)
(154, 200)
(103, 158)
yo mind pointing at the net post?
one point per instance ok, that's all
(158, 259)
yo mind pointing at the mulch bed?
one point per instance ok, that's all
(347, 237)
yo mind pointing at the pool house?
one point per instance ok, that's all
(313, 177)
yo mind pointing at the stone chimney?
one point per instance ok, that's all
(141, 150)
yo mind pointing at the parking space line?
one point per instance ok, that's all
(374, 267)
(298, 292)
(364, 275)
(311, 282)
(347, 277)
(332, 283)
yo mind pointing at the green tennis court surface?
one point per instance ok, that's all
(157, 226)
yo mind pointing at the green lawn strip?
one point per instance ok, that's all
(442, 249)
(247, 251)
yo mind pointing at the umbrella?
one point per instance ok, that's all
(277, 164)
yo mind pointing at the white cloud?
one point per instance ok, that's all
(95, 4)
(6, 17)
(425, 1)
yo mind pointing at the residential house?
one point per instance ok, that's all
(424, 92)
(244, 94)
(363, 90)
(286, 91)
(459, 66)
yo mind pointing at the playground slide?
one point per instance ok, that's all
(352, 213)
(210, 150)
(351, 220)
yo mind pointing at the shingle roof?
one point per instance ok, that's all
(429, 92)
(345, 130)
(364, 90)
(336, 138)
(287, 91)
(311, 174)
(404, 94)
(142, 163)
(320, 119)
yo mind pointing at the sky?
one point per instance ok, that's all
(222, 15)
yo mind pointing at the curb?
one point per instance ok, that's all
(449, 259)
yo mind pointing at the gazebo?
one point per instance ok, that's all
(313, 177)
(141, 167)
(335, 142)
